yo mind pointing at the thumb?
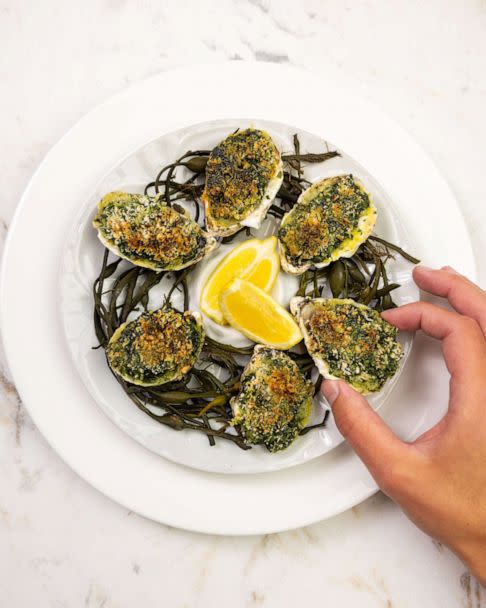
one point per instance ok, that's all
(375, 443)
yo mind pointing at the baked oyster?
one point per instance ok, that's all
(243, 175)
(348, 340)
(330, 220)
(274, 402)
(158, 347)
(148, 233)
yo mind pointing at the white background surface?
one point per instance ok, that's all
(63, 544)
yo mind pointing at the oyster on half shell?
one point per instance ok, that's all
(148, 233)
(158, 347)
(243, 175)
(348, 341)
(330, 220)
(275, 400)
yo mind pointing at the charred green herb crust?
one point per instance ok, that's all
(144, 229)
(320, 223)
(157, 347)
(237, 174)
(274, 401)
(355, 342)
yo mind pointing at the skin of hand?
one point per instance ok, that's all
(439, 480)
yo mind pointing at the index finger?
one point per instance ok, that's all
(463, 342)
(463, 295)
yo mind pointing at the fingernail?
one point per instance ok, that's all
(423, 267)
(330, 390)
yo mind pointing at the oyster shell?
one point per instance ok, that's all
(348, 340)
(158, 347)
(148, 233)
(330, 220)
(275, 400)
(243, 175)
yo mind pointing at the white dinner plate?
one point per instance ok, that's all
(81, 261)
(42, 367)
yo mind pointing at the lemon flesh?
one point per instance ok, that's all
(255, 260)
(256, 315)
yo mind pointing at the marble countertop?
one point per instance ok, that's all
(63, 544)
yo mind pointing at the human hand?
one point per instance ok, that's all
(439, 479)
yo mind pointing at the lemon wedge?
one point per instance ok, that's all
(255, 260)
(257, 316)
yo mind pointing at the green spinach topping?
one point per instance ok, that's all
(157, 347)
(144, 228)
(237, 175)
(274, 400)
(323, 219)
(357, 344)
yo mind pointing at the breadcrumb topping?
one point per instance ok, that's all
(237, 175)
(320, 222)
(160, 345)
(357, 344)
(274, 400)
(145, 228)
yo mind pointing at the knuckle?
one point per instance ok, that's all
(396, 480)
(392, 480)
(455, 279)
(470, 326)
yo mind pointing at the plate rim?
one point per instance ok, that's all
(7, 338)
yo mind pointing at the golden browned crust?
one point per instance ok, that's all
(237, 175)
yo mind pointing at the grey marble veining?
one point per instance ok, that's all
(62, 543)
